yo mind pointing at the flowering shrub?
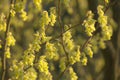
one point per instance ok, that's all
(53, 48)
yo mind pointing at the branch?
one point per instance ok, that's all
(62, 29)
(61, 35)
(5, 43)
(68, 65)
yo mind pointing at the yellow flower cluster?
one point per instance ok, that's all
(19, 7)
(16, 70)
(28, 59)
(12, 11)
(29, 56)
(102, 19)
(44, 38)
(50, 51)
(23, 15)
(89, 51)
(52, 16)
(37, 3)
(7, 52)
(75, 56)
(30, 74)
(62, 63)
(2, 22)
(43, 65)
(84, 60)
(73, 75)
(44, 19)
(68, 41)
(10, 41)
(48, 19)
(89, 24)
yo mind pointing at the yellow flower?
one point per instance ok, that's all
(10, 39)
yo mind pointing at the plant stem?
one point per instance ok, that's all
(5, 44)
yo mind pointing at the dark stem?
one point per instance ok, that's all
(61, 35)
(61, 74)
(62, 27)
(5, 44)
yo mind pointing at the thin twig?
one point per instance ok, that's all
(5, 44)
(59, 77)
(61, 35)
(62, 27)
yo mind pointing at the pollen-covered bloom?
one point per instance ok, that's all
(2, 22)
(73, 75)
(89, 24)
(89, 51)
(37, 3)
(102, 19)
(84, 61)
(75, 56)
(10, 39)
(50, 51)
(67, 38)
(52, 16)
(44, 19)
(23, 15)
(42, 65)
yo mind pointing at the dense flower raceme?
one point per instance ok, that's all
(48, 19)
(84, 60)
(2, 22)
(16, 70)
(10, 41)
(37, 3)
(68, 41)
(102, 19)
(74, 56)
(20, 8)
(34, 47)
(89, 24)
(12, 10)
(73, 75)
(89, 51)
(30, 74)
(42, 66)
(62, 63)
(52, 16)
(50, 51)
